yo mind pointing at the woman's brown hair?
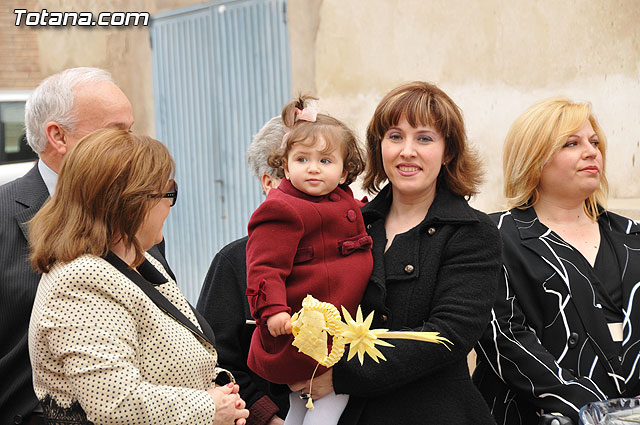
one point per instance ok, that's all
(102, 196)
(334, 132)
(422, 103)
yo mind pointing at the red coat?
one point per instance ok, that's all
(298, 245)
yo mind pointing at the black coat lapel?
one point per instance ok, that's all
(204, 325)
(623, 234)
(153, 276)
(157, 252)
(33, 194)
(373, 213)
(539, 239)
(626, 244)
(578, 279)
(164, 304)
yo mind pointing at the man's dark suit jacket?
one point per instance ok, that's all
(20, 200)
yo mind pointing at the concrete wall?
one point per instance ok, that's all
(123, 51)
(494, 58)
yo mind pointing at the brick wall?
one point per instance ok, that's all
(19, 63)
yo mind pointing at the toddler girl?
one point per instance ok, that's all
(307, 237)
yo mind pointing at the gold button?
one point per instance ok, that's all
(408, 268)
(384, 317)
(431, 231)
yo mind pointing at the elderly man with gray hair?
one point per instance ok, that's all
(64, 108)
(224, 304)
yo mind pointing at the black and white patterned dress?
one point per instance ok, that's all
(548, 347)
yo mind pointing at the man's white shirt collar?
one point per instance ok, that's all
(49, 176)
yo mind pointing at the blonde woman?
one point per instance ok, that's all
(112, 340)
(565, 327)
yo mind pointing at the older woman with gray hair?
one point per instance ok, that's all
(224, 304)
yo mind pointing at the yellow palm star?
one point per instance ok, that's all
(312, 325)
(360, 338)
(316, 320)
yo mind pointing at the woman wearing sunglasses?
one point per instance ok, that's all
(112, 340)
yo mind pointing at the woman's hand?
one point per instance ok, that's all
(322, 385)
(279, 324)
(230, 408)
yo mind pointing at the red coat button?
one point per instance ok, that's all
(334, 197)
(351, 215)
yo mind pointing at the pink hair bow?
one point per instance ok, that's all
(310, 114)
(307, 114)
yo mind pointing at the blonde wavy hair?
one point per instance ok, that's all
(102, 196)
(533, 139)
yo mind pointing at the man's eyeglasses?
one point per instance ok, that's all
(173, 194)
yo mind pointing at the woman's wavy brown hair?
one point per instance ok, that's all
(423, 103)
(102, 197)
(335, 133)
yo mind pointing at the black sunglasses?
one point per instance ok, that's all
(173, 194)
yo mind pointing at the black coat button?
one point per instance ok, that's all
(573, 339)
(17, 419)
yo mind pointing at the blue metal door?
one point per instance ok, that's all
(220, 71)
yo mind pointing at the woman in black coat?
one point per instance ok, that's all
(436, 264)
(564, 329)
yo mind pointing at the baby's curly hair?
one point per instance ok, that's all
(334, 132)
